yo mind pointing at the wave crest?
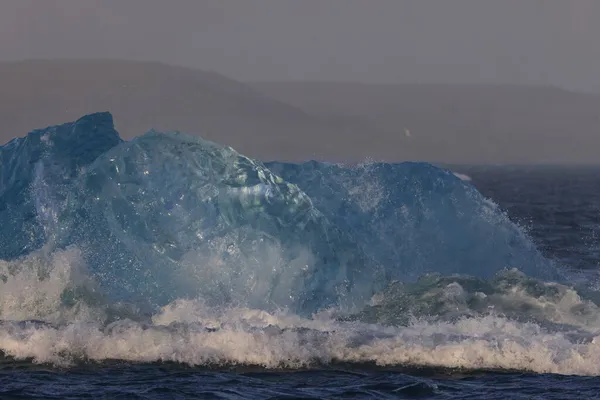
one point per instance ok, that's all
(172, 248)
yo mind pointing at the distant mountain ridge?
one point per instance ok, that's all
(461, 123)
(296, 121)
(143, 96)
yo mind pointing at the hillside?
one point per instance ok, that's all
(300, 121)
(460, 123)
(141, 96)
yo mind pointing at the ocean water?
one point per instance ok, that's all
(172, 267)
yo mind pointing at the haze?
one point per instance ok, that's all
(553, 42)
(515, 42)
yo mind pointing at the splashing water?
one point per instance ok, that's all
(172, 248)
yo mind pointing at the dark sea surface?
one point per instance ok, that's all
(558, 206)
(171, 267)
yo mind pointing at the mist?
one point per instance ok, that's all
(541, 42)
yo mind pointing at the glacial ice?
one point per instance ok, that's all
(167, 216)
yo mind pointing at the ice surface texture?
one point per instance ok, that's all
(169, 216)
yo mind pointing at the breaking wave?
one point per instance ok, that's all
(172, 248)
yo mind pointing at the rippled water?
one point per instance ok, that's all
(171, 382)
(560, 207)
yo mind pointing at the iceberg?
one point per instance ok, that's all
(168, 216)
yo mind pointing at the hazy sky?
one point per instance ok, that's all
(499, 41)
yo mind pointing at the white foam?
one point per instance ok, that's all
(32, 287)
(190, 332)
(254, 337)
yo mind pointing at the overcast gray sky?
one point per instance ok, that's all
(393, 41)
